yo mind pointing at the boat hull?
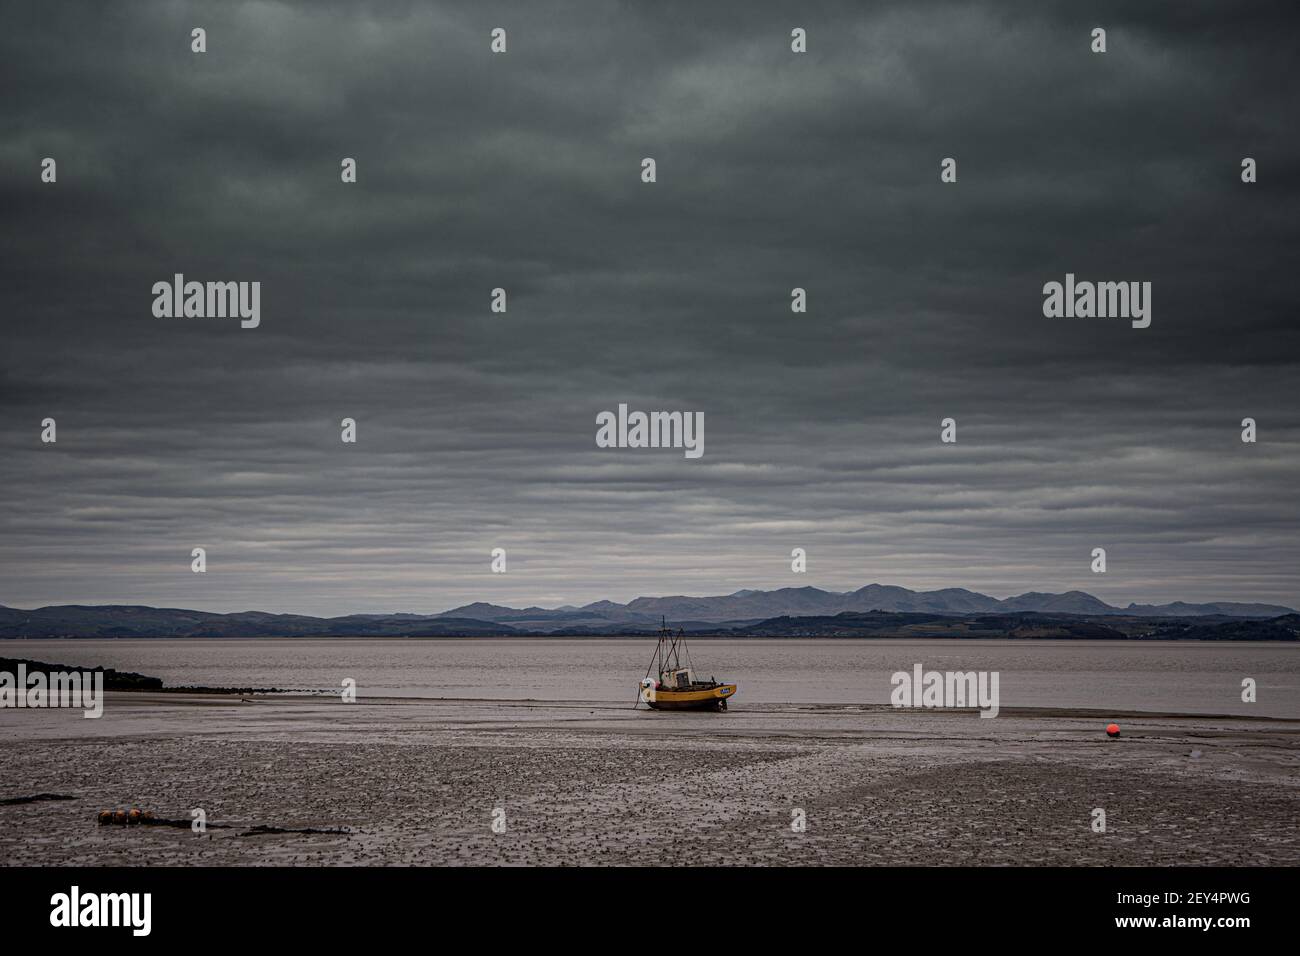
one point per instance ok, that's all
(708, 698)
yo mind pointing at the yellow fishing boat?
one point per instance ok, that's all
(675, 687)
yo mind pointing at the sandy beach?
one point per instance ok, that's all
(417, 782)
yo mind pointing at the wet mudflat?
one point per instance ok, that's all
(583, 783)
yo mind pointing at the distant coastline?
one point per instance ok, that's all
(873, 611)
(845, 626)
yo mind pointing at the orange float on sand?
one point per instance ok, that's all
(1112, 730)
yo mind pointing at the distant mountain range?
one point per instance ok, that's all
(876, 609)
(745, 607)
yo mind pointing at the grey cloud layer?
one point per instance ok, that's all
(521, 171)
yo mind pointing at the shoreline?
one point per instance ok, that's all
(762, 707)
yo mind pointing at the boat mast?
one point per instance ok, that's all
(676, 655)
(659, 647)
(672, 657)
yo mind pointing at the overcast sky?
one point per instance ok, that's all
(775, 170)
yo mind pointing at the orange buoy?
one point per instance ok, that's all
(105, 817)
(1112, 730)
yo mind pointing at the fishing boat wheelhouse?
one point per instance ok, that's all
(674, 687)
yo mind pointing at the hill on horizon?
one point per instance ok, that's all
(736, 613)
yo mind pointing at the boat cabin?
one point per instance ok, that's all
(678, 679)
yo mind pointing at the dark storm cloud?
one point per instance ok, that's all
(522, 171)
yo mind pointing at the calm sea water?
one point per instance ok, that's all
(1192, 677)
